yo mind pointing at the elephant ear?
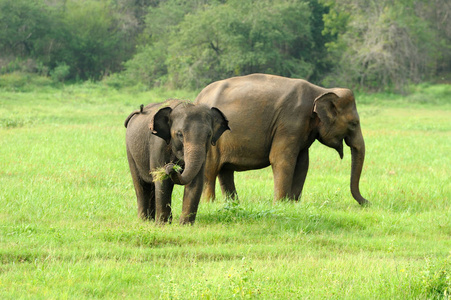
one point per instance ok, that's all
(220, 124)
(159, 125)
(325, 106)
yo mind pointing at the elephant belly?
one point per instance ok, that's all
(238, 155)
(244, 167)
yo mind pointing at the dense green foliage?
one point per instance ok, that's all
(68, 224)
(220, 40)
(388, 43)
(376, 44)
(70, 38)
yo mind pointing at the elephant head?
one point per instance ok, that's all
(189, 129)
(338, 121)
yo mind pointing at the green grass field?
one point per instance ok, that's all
(68, 225)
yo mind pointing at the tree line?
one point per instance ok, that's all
(373, 44)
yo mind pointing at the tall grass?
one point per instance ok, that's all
(68, 224)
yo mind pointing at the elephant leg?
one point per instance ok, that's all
(163, 193)
(209, 193)
(300, 173)
(283, 178)
(145, 194)
(283, 157)
(209, 189)
(191, 198)
(227, 182)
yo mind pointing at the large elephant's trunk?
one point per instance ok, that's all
(357, 145)
(194, 157)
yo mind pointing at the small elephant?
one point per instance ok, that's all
(275, 120)
(165, 134)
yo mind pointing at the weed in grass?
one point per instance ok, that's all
(436, 278)
(242, 283)
(233, 211)
(14, 122)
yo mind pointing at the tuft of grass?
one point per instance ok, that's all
(159, 174)
(14, 122)
(23, 82)
(436, 278)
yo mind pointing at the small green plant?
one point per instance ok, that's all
(241, 284)
(60, 72)
(436, 279)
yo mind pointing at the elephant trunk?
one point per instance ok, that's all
(194, 157)
(357, 145)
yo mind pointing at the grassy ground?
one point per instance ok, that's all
(68, 225)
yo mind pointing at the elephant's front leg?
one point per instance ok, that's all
(283, 157)
(227, 181)
(300, 173)
(191, 198)
(283, 179)
(163, 193)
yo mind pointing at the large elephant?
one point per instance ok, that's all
(165, 134)
(274, 121)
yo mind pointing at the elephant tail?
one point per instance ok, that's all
(140, 111)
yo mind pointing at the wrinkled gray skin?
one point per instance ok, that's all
(173, 132)
(274, 121)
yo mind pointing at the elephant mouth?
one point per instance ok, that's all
(336, 144)
(340, 150)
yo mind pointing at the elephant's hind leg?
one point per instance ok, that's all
(145, 194)
(209, 188)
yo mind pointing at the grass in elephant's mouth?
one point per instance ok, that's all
(159, 174)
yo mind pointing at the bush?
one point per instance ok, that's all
(436, 279)
(60, 73)
(22, 82)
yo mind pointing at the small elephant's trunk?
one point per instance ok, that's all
(357, 145)
(194, 157)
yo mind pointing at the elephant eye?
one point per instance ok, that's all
(353, 124)
(179, 134)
